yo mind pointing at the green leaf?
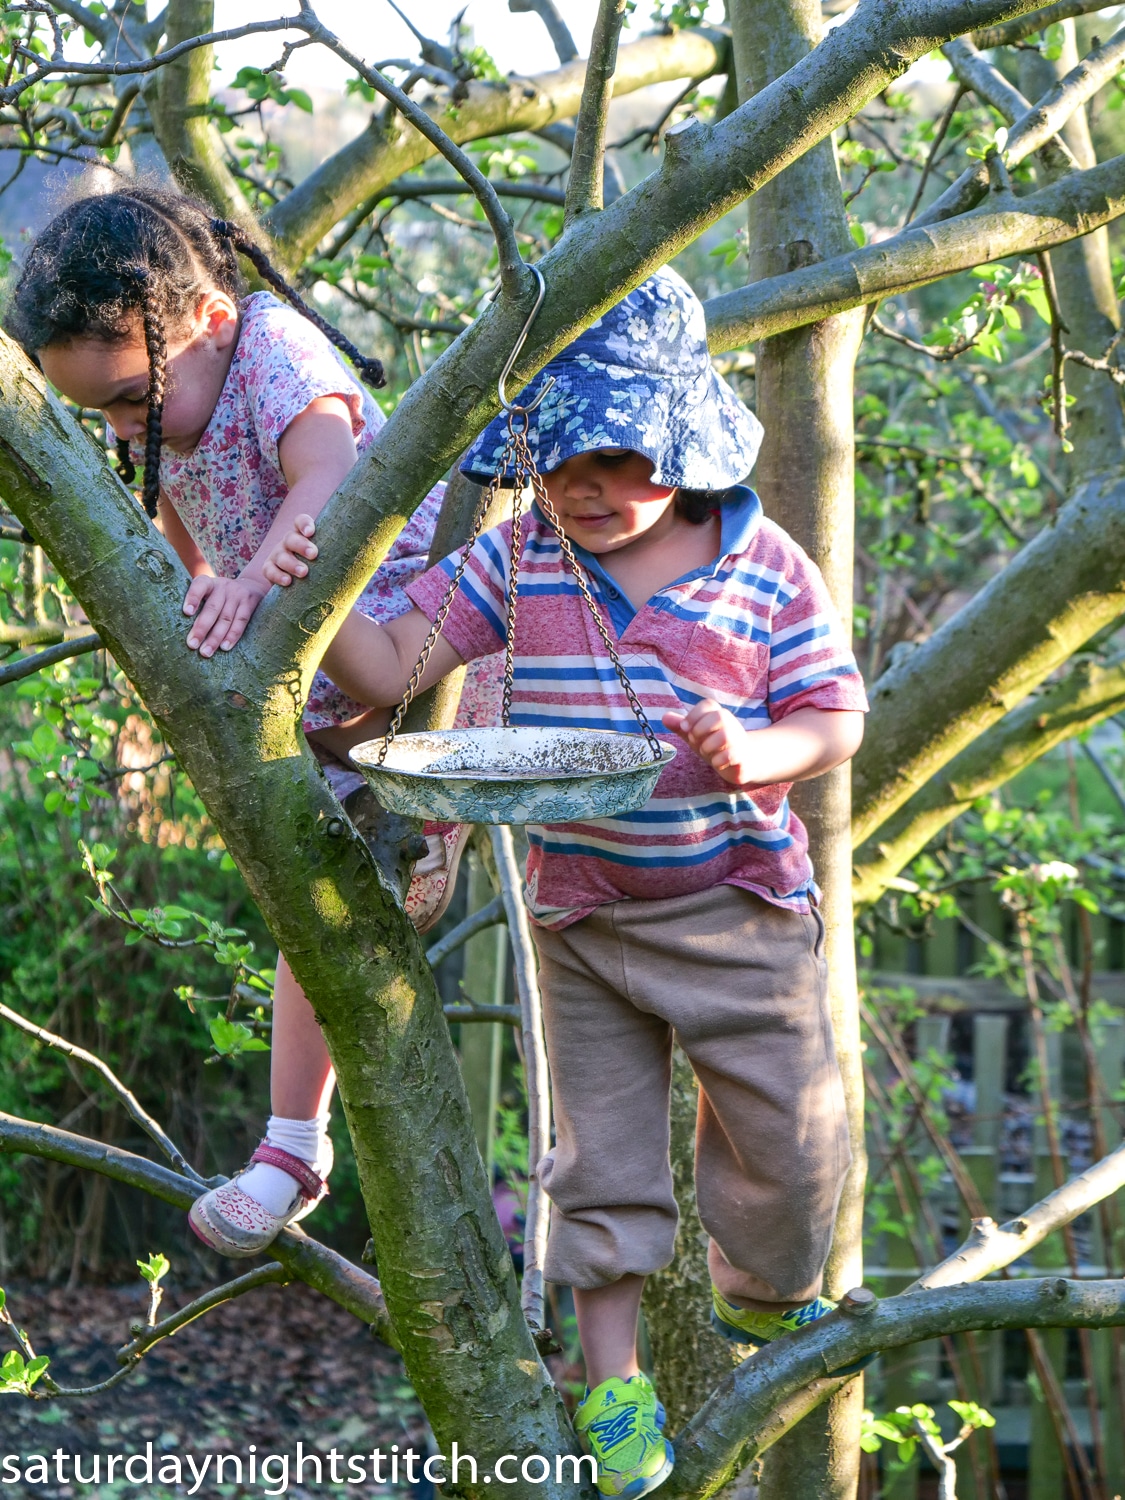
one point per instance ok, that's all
(44, 741)
(1054, 39)
(53, 801)
(858, 233)
(300, 99)
(154, 1268)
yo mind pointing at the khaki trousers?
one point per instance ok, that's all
(741, 985)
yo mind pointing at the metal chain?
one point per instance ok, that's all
(446, 604)
(515, 554)
(517, 453)
(544, 503)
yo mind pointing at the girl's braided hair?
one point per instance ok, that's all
(141, 252)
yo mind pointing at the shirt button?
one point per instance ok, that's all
(611, 593)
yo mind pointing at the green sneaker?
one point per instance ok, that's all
(622, 1422)
(745, 1325)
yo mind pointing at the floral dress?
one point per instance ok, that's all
(228, 490)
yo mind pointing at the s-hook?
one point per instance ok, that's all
(511, 407)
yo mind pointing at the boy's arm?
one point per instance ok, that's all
(804, 744)
(373, 663)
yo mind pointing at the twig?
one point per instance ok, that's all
(477, 921)
(535, 1072)
(1058, 362)
(935, 146)
(267, 1275)
(587, 163)
(107, 70)
(106, 1073)
(942, 353)
(511, 262)
(1103, 366)
(304, 1258)
(51, 657)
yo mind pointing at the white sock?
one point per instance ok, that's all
(308, 1140)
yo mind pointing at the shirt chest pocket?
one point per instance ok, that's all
(726, 664)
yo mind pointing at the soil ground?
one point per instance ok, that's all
(278, 1366)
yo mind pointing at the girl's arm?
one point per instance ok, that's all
(177, 533)
(805, 744)
(316, 452)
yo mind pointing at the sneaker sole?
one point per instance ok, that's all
(735, 1335)
(643, 1486)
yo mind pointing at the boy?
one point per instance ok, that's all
(695, 916)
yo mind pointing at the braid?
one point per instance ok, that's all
(157, 347)
(371, 370)
(125, 465)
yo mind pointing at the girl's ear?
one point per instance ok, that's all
(216, 317)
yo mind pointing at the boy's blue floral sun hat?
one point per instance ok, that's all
(638, 378)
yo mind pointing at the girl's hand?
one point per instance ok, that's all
(224, 608)
(717, 736)
(287, 559)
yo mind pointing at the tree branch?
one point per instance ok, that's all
(477, 921)
(179, 105)
(106, 69)
(511, 262)
(64, 651)
(536, 1077)
(557, 28)
(1035, 129)
(587, 162)
(1090, 692)
(132, 1104)
(388, 148)
(269, 1275)
(990, 1246)
(785, 1380)
(48, 632)
(441, 187)
(918, 255)
(304, 1258)
(1009, 32)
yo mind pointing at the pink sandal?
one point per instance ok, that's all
(236, 1225)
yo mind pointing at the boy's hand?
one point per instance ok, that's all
(224, 608)
(717, 736)
(287, 560)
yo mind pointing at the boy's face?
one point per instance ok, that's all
(606, 500)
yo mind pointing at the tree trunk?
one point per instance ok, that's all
(180, 104)
(688, 1358)
(805, 474)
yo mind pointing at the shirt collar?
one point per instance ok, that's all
(740, 516)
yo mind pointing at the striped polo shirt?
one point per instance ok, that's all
(754, 630)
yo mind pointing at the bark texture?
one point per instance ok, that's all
(688, 1358)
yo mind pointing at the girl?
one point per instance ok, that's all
(131, 302)
(695, 916)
